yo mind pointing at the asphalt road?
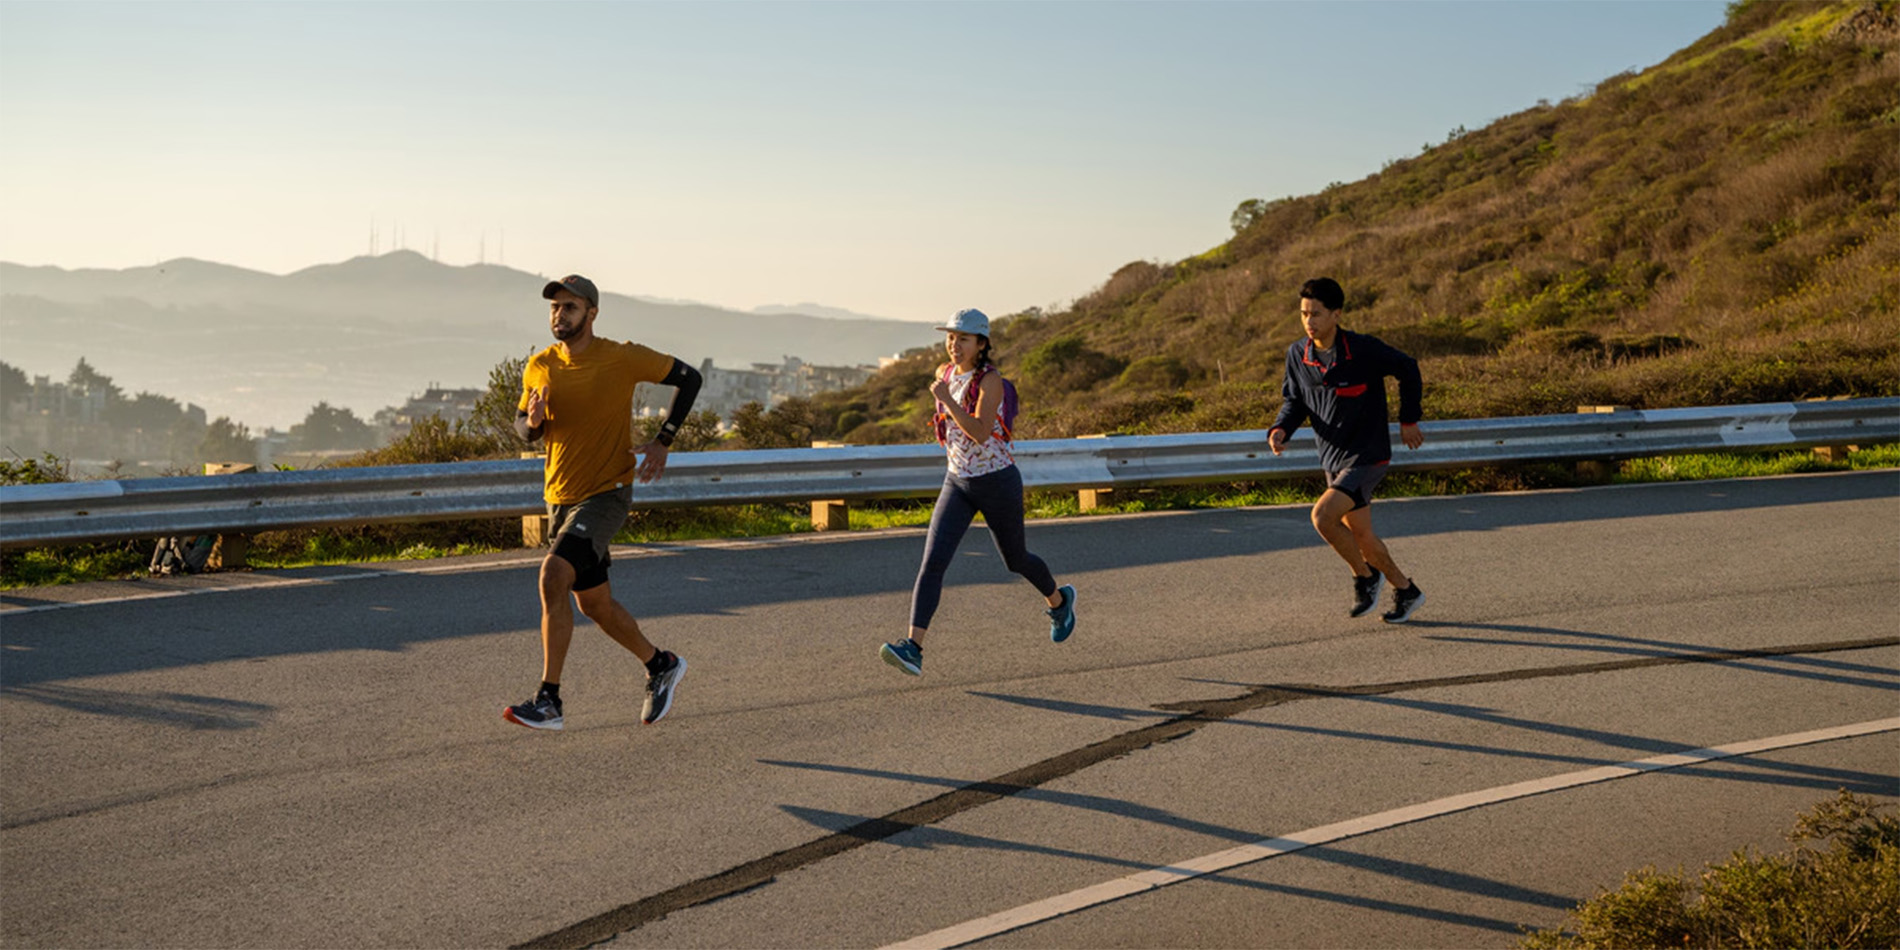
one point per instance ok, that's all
(317, 758)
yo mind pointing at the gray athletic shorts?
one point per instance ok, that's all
(583, 531)
(1357, 482)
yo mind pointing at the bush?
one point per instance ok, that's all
(1840, 896)
(434, 440)
(40, 471)
(1068, 363)
(1155, 374)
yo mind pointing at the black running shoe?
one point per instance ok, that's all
(1365, 592)
(1403, 603)
(660, 690)
(541, 712)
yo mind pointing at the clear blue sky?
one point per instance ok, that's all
(898, 159)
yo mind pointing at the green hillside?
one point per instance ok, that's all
(1718, 228)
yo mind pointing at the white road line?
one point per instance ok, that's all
(1061, 904)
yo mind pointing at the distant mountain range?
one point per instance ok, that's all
(364, 333)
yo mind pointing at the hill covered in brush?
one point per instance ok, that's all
(1719, 228)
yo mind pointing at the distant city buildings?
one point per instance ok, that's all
(453, 405)
(70, 422)
(768, 384)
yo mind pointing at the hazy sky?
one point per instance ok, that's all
(898, 159)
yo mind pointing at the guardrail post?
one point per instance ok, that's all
(1597, 470)
(1834, 453)
(831, 514)
(1088, 499)
(230, 550)
(534, 528)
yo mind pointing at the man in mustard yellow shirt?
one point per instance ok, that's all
(577, 395)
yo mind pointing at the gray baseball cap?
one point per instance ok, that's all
(968, 321)
(580, 286)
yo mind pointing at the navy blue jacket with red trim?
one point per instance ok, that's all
(1346, 403)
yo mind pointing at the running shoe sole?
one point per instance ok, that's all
(508, 713)
(890, 656)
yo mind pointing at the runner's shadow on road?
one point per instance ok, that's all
(1821, 778)
(930, 837)
(178, 710)
(1643, 647)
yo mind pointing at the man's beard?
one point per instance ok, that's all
(564, 332)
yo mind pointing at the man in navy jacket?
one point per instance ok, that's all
(1336, 380)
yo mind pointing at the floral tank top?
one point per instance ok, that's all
(967, 457)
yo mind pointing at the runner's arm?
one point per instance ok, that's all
(1293, 411)
(687, 380)
(989, 400)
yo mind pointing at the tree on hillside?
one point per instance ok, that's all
(1249, 211)
(88, 380)
(790, 425)
(494, 417)
(329, 427)
(13, 383)
(227, 441)
(149, 411)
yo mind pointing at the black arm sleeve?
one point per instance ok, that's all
(522, 430)
(687, 380)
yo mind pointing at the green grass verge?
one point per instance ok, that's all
(39, 567)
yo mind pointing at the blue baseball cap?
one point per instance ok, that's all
(968, 321)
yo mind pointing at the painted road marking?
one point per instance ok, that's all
(1062, 904)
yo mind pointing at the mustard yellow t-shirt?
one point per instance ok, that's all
(589, 431)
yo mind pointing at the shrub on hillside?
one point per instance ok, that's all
(1840, 895)
(433, 440)
(1155, 374)
(1067, 363)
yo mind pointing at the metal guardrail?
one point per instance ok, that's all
(241, 504)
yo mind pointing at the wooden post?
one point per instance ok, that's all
(831, 514)
(229, 551)
(1597, 470)
(534, 528)
(1834, 453)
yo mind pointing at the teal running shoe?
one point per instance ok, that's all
(905, 654)
(1062, 619)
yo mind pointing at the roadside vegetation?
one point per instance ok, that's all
(1839, 886)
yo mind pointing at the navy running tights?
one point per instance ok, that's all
(999, 496)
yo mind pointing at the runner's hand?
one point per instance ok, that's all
(537, 406)
(1276, 440)
(1410, 435)
(941, 390)
(654, 463)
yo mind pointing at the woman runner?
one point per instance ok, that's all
(982, 477)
